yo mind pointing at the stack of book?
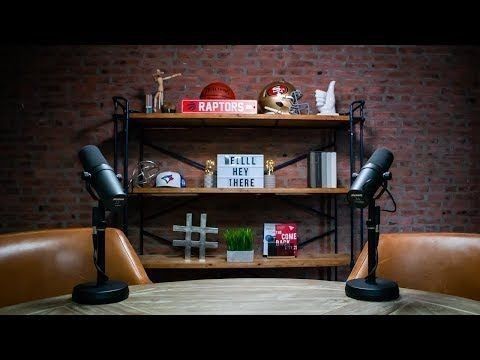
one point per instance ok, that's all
(322, 169)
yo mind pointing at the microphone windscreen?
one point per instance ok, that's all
(90, 157)
(383, 158)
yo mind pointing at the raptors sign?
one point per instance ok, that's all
(216, 106)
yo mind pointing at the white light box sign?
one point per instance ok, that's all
(240, 171)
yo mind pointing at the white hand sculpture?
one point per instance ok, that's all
(329, 107)
(320, 97)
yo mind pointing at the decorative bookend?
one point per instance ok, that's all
(202, 244)
(209, 179)
(270, 176)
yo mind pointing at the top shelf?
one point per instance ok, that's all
(178, 120)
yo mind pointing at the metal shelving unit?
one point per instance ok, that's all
(353, 121)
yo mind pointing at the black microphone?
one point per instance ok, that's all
(103, 179)
(370, 178)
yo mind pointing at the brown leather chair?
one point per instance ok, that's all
(446, 263)
(46, 263)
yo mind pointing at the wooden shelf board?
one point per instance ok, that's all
(178, 120)
(255, 191)
(220, 262)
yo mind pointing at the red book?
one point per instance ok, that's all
(286, 241)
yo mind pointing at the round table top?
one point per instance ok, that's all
(251, 296)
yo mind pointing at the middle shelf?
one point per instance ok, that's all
(254, 191)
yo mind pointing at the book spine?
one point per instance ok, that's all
(334, 170)
(269, 239)
(272, 249)
(324, 169)
(312, 170)
(318, 169)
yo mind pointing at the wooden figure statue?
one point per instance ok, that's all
(158, 100)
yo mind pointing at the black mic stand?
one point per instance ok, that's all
(103, 291)
(372, 288)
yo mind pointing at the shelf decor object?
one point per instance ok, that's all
(239, 244)
(202, 244)
(144, 174)
(148, 103)
(240, 170)
(270, 176)
(219, 106)
(325, 101)
(209, 179)
(159, 95)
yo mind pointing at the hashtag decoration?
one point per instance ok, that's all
(202, 244)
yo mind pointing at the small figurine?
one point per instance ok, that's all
(209, 170)
(270, 176)
(158, 100)
(326, 101)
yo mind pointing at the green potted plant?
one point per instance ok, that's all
(239, 244)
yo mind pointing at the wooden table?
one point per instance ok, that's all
(251, 296)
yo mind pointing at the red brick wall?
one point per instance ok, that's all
(421, 102)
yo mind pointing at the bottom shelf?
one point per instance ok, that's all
(220, 262)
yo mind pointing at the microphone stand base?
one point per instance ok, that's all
(378, 290)
(108, 292)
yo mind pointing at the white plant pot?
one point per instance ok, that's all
(239, 256)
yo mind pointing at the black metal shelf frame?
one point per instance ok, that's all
(121, 133)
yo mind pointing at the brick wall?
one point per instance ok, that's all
(421, 102)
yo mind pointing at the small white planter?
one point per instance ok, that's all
(240, 256)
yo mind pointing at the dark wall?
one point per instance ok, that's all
(421, 102)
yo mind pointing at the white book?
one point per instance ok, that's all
(268, 236)
(324, 169)
(333, 170)
(329, 170)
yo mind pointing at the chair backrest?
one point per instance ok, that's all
(47, 263)
(446, 263)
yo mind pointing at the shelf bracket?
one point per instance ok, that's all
(306, 208)
(156, 237)
(327, 233)
(300, 157)
(168, 209)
